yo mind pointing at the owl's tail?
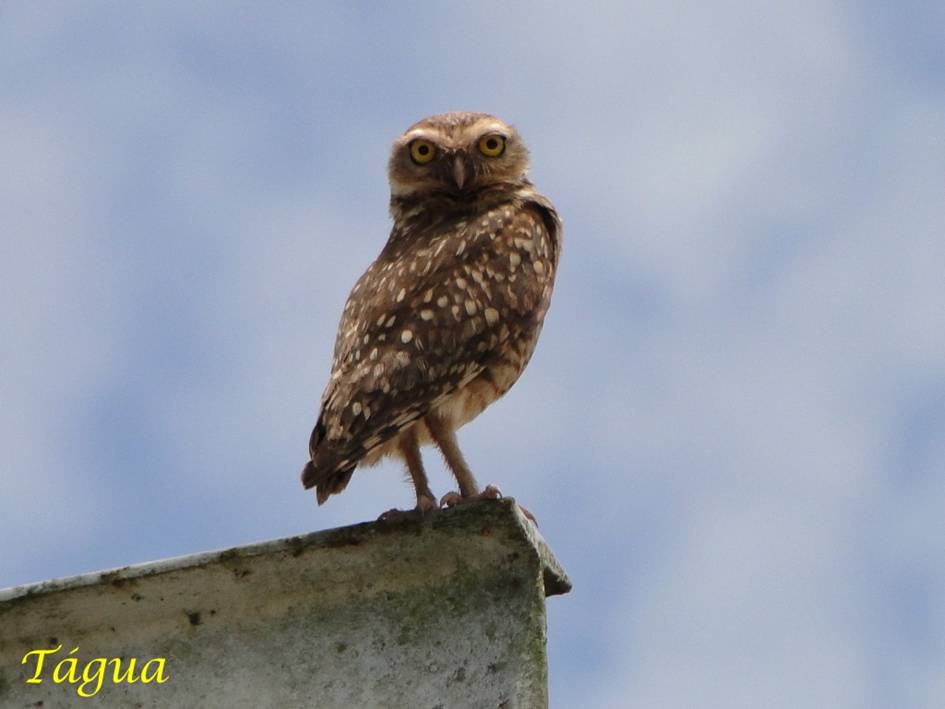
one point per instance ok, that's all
(323, 471)
(326, 481)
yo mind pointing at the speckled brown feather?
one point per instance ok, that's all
(442, 323)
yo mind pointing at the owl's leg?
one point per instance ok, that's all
(445, 439)
(411, 452)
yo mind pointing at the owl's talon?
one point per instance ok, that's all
(450, 499)
(490, 493)
(392, 514)
(528, 515)
(426, 503)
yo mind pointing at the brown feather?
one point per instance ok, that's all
(447, 317)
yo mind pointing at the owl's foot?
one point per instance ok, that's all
(395, 515)
(529, 515)
(451, 499)
(425, 503)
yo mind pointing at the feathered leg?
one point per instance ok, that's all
(410, 449)
(445, 439)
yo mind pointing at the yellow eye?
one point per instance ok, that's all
(492, 145)
(422, 151)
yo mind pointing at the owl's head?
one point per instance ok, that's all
(456, 154)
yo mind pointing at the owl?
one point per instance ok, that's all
(445, 320)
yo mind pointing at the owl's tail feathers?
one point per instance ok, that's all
(326, 480)
(324, 471)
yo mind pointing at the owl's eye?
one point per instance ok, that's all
(492, 145)
(422, 151)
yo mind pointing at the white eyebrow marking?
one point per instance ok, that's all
(416, 133)
(486, 125)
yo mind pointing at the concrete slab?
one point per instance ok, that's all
(442, 611)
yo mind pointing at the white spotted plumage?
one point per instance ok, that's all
(446, 318)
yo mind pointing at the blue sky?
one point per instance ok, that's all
(733, 430)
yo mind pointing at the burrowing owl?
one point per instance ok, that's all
(445, 320)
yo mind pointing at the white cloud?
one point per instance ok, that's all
(746, 333)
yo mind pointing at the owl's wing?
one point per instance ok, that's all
(422, 322)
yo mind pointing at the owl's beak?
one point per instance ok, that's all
(459, 171)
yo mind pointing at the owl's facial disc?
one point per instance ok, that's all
(456, 154)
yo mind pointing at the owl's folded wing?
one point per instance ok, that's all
(421, 325)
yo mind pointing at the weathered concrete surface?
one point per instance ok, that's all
(446, 611)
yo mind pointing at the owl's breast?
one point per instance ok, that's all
(467, 402)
